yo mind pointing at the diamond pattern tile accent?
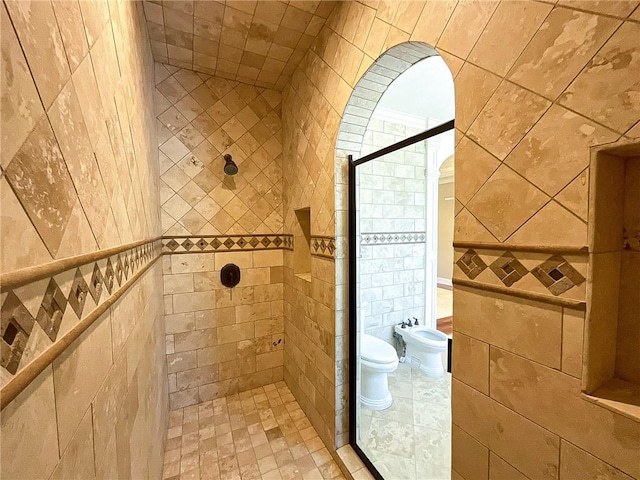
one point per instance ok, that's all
(95, 286)
(213, 243)
(557, 275)
(392, 238)
(78, 295)
(18, 323)
(508, 269)
(471, 264)
(323, 246)
(53, 305)
(187, 244)
(119, 270)
(109, 276)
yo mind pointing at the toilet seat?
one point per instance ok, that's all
(375, 350)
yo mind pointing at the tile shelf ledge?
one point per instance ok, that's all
(619, 396)
(556, 249)
(304, 276)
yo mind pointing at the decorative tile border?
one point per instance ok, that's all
(392, 238)
(323, 246)
(556, 274)
(223, 243)
(64, 298)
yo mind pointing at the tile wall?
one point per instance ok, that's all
(545, 88)
(200, 119)
(221, 341)
(258, 43)
(392, 201)
(79, 175)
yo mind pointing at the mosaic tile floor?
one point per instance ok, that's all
(259, 434)
(411, 440)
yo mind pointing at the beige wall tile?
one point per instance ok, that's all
(516, 21)
(616, 84)
(21, 245)
(509, 435)
(474, 166)
(572, 341)
(471, 362)
(559, 134)
(465, 26)
(21, 106)
(531, 329)
(469, 457)
(44, 188)
(560, 49)
(32, 418)
(501, 470)
(505, 202)
(78, 373)
(483, 83)
(552, 225)
(36, 25)
(506, 118)
(77, 461)
(576, 463)
(533, 390)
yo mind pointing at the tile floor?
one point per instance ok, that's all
(411, 440)
(259, 434)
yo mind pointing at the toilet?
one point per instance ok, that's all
(377, 360)
(424, 348)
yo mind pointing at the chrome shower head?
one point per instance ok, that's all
(230, 167)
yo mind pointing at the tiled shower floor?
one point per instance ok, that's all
(412, 438)
(259, 434)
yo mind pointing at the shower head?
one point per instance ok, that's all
(230, 167)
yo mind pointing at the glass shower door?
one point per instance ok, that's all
(400, 416)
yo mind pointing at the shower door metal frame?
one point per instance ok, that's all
(353, 307)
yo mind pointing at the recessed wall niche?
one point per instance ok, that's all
(302, 244)
(612, 341)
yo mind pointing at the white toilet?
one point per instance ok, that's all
(377, 359)
(424, 347)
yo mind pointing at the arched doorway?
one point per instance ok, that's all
(395, 154)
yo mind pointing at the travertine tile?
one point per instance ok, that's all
(31, 417)
(506, 118)
(470, 458)
(470, 363)
(77, 461)
(576, 463)
(602, 88)
(517, 21)
(562, 46)
(552, 225)
(505, 202)
(44, 188)
(482, 83)
(464, 27)
(21, 245)
(531, 329)
(474, 166)
(21, 106)
(560, 133)
(535, 395)
(506, 433)
(36, 25)
(89, 357)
